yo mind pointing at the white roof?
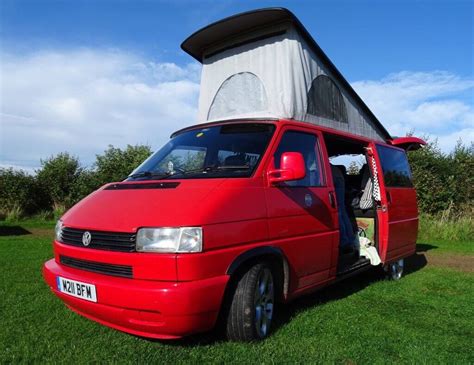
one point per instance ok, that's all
(264, 64)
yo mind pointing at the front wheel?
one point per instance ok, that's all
(251, 310)
(394, 270)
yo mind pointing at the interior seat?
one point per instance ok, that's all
(236, 160)
(364, 173)
(347, 235)
(365, 181)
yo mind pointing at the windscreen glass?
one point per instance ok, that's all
(232, 150)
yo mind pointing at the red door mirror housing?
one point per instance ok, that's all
(292, 167)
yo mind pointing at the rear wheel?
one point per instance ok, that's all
(394, 270)
(251, 310)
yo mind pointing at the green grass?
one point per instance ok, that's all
(427, 317)
(441, 247)
(447, 226)
(447, 232)
(30, 223)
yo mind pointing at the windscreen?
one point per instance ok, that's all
(232, 150)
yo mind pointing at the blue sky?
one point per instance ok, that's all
(79, 75)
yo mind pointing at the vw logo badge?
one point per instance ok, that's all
(86, 238)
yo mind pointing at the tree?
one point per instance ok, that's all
(443, 180)
(353, 168)
(58, 176)
(116, 164)
(462, 165)
(87, 181)
(19, 193)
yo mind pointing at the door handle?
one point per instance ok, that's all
(389, 198)
(332, 199)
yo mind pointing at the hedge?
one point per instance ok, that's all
(443, 180)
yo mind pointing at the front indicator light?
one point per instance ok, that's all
(58, 230)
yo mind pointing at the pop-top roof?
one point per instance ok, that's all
(241, 29)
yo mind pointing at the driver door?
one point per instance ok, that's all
(300, 215)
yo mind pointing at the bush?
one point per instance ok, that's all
(462, 165)
(19, 194)
(443, 180)
(87, 181)
(58, 176)
(116, 164)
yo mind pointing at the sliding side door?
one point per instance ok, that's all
(398, 212)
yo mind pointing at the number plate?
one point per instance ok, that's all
(77, 289)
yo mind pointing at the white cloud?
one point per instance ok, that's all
(437, 104)
(82, 100)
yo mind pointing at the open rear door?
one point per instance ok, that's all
(397, 211)
(408, 143)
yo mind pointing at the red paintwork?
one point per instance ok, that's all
(398, 219)
(157, 309)
(292, 168)
(408, 143)
(172, 295)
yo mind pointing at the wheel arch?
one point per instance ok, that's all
(264, 253)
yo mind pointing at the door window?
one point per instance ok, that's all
(307, 145)
(395, 167)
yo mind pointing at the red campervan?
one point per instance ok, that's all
(237, 213)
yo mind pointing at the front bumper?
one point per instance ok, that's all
(154, 309)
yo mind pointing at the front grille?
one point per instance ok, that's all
(98, 267)
(100, 240)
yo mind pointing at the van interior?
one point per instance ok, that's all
(357, 218)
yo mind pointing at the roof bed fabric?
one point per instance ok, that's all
(285, 63)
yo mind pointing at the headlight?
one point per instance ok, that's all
(184, 239)
(58, 230)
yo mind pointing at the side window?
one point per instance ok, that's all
(395, 167)
(307, 145)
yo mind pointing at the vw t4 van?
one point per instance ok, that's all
(287, 184)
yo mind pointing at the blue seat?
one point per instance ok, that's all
(347, 234)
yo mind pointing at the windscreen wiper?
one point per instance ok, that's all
(212, 169)
(165, 175)
(151, 174)
(233, 167)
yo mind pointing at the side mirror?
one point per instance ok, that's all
(292, 167)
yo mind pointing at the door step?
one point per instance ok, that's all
(347, 269)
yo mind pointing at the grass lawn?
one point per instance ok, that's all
(427, 317)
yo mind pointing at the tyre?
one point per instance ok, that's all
(252, 305)
(394, 270)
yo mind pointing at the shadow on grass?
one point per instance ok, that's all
(286, 312)
(424, 247)
(414, 263)
(13, 231)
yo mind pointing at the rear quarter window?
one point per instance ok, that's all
(395, 167)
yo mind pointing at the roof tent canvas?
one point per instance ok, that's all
(264, 64)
